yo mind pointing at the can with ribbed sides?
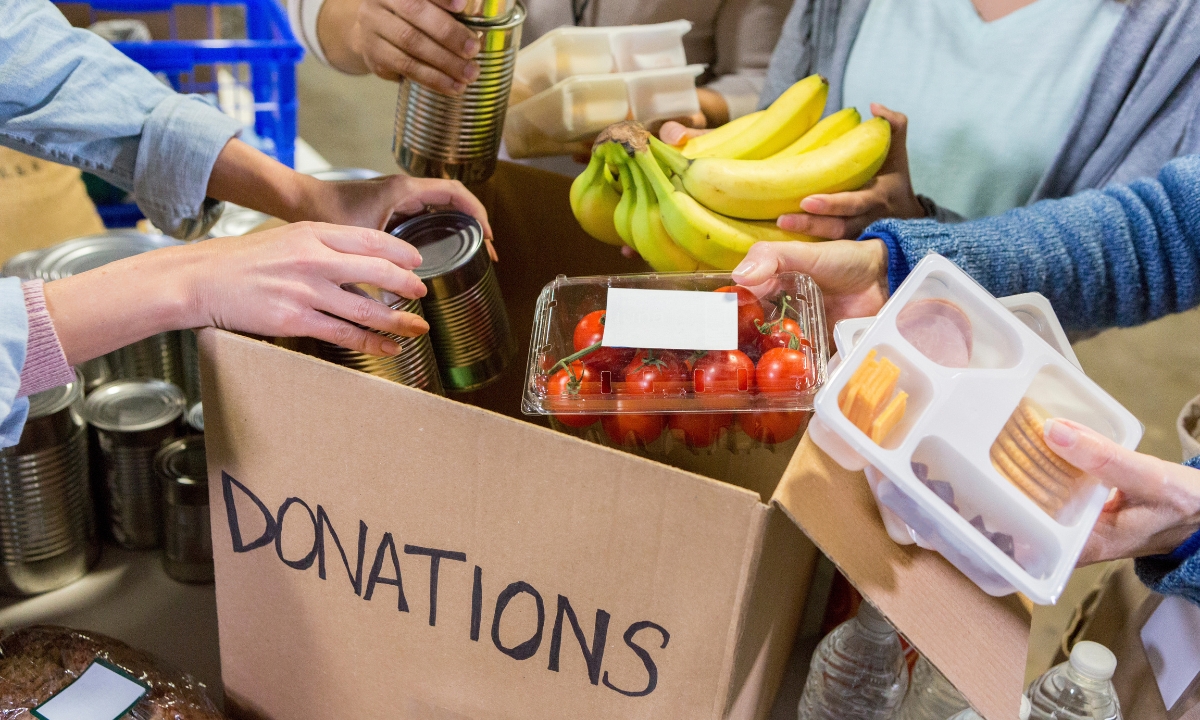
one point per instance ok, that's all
(187, 534)
(133, 418)
(468, 323)
(458, 136)
(415, 364)
(47, 527)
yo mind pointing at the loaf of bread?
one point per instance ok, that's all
(39, 661)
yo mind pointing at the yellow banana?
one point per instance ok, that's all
(702, 143)
(649, 236)
(766, 189)
(823, 133)
(789, 117)
(593, 201)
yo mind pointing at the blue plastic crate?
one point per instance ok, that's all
(253, 75)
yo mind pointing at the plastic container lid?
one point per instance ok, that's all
(88, 253)
(184, 469)
(1093, 660)
(51, 401)
(134, 405)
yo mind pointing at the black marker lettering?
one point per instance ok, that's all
(322, 524)
(651, 668)
(401, 602)
(305, 562)
(235, 528)
(529, 648)
(435, 559)
(477, 603)
(593, 657)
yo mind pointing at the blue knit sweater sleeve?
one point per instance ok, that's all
(1120, 256)
(1177, 573)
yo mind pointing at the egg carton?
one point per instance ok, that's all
(978, 361)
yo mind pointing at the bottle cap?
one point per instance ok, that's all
(872, 619)
(1093, 660)
(1026, 708)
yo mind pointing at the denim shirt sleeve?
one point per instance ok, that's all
(68, 96)
(14, 334)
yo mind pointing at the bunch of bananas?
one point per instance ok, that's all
(702, 207)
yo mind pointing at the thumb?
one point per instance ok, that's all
(673, 133)
(761, 263)
(1134, 474)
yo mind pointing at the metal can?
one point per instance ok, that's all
(339, 174)
(47, 528)
(187, 537)
(22, 265)
(236, 220)
(468, 323)
(195, 417)
(458, 136)
(486, 10)
(189, 356)
(415, 364)
(158, 356)
(133, 418)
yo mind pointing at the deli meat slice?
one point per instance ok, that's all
(939, 329)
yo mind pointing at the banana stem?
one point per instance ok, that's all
(669, 156)
(654, 175)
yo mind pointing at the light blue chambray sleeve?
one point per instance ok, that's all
(68, 96)
(14, 335)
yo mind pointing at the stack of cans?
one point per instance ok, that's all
(47, 532)
(187, 535)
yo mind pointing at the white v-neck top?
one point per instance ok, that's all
(989, 104)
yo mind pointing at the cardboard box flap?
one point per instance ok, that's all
(979, 642)
(479, 562)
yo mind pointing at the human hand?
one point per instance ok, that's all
(852, 275)
(416, 39)
(1155, 508)
(676, 133)
(888, 195)
(379, 202)
(697, 120)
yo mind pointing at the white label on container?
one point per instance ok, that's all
(1171, 638)
(671, 319)
(101, 693)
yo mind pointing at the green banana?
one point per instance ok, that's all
(789, 117)
(766, 189)
(623, 213)
(594, 200)
(823, 133)
(650, 238)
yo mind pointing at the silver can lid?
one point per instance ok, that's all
(134, 405)
(449, 242)
(236, 221)
(195, 417)
(184, 470)
(51, 401)
(88, 253)
(335, 174)
(22, 265)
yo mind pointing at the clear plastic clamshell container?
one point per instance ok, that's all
(570, 51)
(650, 361)
(578, 107)
(944, 397)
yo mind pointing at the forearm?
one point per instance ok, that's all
(247, 177)
(118, 304)
(335, 26)
(714, 107)
(1118, 257)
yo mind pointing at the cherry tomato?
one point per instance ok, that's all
(633, 428)
(772, 427)
(609, 359)
(750, 316)
(700, 429)
(655, 371)
(724, 371)
(589, 330)
(578, 380)
(784, 370)
(784, 334)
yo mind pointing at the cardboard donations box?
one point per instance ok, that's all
(383, 552)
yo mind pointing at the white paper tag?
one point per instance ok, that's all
(1171, 638)
(101, 693)
(671, 319)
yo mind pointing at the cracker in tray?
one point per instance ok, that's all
(1021, 455)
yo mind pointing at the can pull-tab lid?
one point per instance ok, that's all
(1093, 660)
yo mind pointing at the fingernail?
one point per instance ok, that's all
(745, 268)
(458, 88)
(389, 348)
(792, 223)
(1060, 434)
(458, 5)
(420, 326)
(471, 47)
(472, 72)
(814, 205)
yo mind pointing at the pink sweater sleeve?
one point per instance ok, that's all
(45, 362)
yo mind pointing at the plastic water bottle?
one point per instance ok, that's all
(1079, 689)
(857, 673)
(930, 695)
(970, 714)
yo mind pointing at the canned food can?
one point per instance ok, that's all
(340, 174)
(468, 323)
(486, 10)
(189, 357)
(195, 417)
(158, 356)
(133, 418)
(236, 221)
(47, 527)
(415, 364)
(187, 537)
(458, 136)
(22, 265)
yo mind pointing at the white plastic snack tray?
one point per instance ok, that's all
(954, 415)
(569, 51)
(579, 107)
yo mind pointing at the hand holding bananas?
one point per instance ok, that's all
(705, 206)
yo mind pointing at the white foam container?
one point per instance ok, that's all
(953, 417)
(569, 51)
(578, 107)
